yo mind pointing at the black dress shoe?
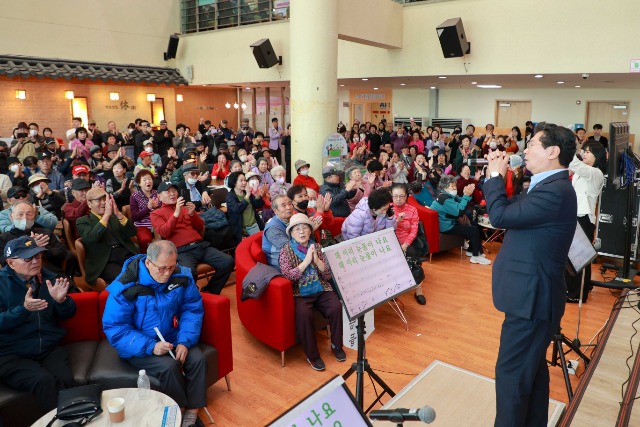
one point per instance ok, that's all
(421, 299)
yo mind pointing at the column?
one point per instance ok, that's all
(314, 79)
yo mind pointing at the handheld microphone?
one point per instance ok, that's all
(477, 162)
(426, 414)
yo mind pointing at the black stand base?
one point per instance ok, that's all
(360, 367)
(559, 355)
(625, 282)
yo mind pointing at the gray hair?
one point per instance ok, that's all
(446, 181)
(276, 201)
(277, 169)
(161, 247)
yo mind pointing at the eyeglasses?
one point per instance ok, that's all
(399, 196)
(164, 270)
(99, 199)
(193, 174)
(28, 260)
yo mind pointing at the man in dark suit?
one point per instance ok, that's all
(528, 273)
(106, 234)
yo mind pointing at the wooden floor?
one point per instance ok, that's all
(459, 325)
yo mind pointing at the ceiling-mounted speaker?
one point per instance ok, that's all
(264, 54)
(452, 38)
(172, 49)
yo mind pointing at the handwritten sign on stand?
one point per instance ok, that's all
(369, 270)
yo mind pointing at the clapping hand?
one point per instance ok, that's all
(203, 176)
(33, 304)
(42, 240)
(317, 222)
(58, 291)
(468, 190)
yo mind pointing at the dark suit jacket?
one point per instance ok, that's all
(96, 247)
(528, 273)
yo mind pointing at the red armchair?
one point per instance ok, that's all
(438, 242)
(271, 318)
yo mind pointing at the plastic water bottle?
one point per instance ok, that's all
(143, 384)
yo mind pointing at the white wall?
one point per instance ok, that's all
(344, 113)
(410, 102)
(114, 31)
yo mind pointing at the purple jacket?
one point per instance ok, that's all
(361, 221)
(398, 141)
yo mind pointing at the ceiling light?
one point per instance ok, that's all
(364, 80)
(179, 97)
(151, 97)
(341, 85)
(21, 94)
(68, 94)
(235, 105)
(114, 96)
(619, 107)
(433, 87)
(442, 77)
(489, 86)
(577, 86)
(227, 105)
(474, 83)
(375, 88)
(538, 76)
(243, 106)
(403, 84)
(560, 82)
(248, 88)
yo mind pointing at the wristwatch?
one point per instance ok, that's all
(495, 174)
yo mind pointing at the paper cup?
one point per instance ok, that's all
(116, 409)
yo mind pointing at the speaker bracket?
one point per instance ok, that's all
(468, 49)
(279, 60)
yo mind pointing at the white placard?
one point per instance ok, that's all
(581, 252)
(634, 67)
(369, 270)
(331, 405)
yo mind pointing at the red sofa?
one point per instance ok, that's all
(438, 242)
(93, 360)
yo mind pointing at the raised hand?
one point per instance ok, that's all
(42, 240)
(191, 207)
(179, 204)
(58, 291)
(33, 304)
(468, 190)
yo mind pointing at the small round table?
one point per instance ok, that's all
(137, 413)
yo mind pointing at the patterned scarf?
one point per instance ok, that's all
(309, 283)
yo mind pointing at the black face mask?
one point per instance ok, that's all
(303, 205)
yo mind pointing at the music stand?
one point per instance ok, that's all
(368, 271)
(581, 255)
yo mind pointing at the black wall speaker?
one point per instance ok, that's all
(264, 54)
(172, 49)
(453, 39)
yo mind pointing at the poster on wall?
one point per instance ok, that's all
(334, 149)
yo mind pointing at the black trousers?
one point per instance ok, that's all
(191, 256)
(189, 390)
(471, 233)
(42, 377)
(522, 374)
(328, 304)
(575, 282)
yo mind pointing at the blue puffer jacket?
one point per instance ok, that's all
(137, 304)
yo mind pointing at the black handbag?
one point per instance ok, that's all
(415, 265)
(79, 402)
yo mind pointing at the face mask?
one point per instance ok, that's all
(243, 158)
(452, 192)
(192, 181)
(312, 204)
(304, 172)
(14, 168)
(356, 139)
(493, 145)
(362, 136)
(37, 189)
(130, 130)
(378, 213)
(33, 132)
(280, 180)
(303, 204)
(253, 184)
(245, 131)
(148, 150)
(23, 224)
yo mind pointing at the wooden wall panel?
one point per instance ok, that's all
(208, 103)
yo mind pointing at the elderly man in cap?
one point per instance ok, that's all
(303, 178)
(163, 139)
(146, 162)
(56, 180)
(339, 192)
(140, 138)
(156, 159)
(244, 135)
(191, 157)
(32, 304)
(106, 234)
(177, 221)
(78, 207)
(52, 149)
(96, 137)
(192, 189)
(153, 291)
(44, 218)
(44, 196)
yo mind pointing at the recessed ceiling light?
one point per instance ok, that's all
(433, 87)
(248, 88)
(560, 82)
(489, 86)
(538, 76)
(403, 84)
(375, 88)
(442, 77)
(341, 85)
(474, 83)
(364, 80)
(577, 86)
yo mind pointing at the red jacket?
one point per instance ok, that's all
(182, 230)
(72, 211)
(307, 181)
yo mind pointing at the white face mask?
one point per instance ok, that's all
(14, 168)
(23, 224)
(253, 184)
(243, 158)
(452, 192)
(280, 180)
(192, 181)
(493, 145)
(130, 130)
(37, 189)
(304, 172)
(244, 131)
(312, 204)
(356, 139)
(33, 132)
(149, 149)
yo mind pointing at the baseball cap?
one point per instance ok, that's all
(95, 193)
(50, 141)
(44, 155)
(112, 148)
(148, 141)
(77, 170)
(328, 171)
(164, 186)
(13, 191)
(80, 184)
(94, 148)
(188, 167)
(145, 154)
(22, 247)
